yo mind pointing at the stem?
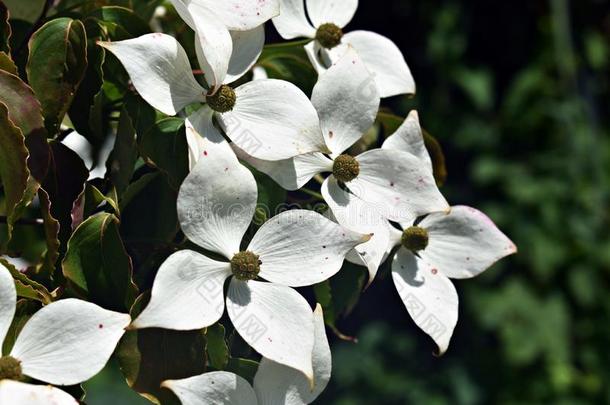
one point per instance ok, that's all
(23, 221)
(312, 193)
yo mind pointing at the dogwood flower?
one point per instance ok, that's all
(270, 119)
(381, 56)
(389, 182)
(297, 248)
(64, 343)
(459, 244)
(18, 393)
(230, 34)
(274, 383)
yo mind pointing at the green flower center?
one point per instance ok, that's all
(346, 168)
(415, 238)
(10, 368)
(329, 35)
(223, 100)
(245, 265)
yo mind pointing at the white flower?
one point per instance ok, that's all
(18, 393)
(270, 119)
(459, 244)
(64, 343)
(230, 34)
(329, 17)
(273, 383)
(297, 248)
(382, 183)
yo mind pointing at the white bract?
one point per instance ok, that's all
(297, 248)
(459, 244)
(64, 343)
(274, 383)
(270, 119)
(229, 34)
(382, 57)
(18, 393)
(382, 183)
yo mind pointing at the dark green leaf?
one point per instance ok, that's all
(64, 183)
(122, 160)
(26, 287)
(142, 114)
(7, 64)
(25, 10)
(51, 232)
(120, 23)
(56, 66)
(289, 62)
(164, 146)
(24, 311)
(243, 367)
(97, 265)
(14, 172)
(88, 202)
(5, 30)
(217, 349)
(150, 356)
(25, 112)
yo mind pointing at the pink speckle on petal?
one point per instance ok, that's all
(434, 271)
(205, 153)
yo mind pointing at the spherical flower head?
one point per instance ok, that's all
(346, 168)
(329, 35)
(415, 238)
(223, 100)
(10, 368)
(245, 265)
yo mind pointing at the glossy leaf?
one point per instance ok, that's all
(289, 62)
(217, 349)
(122, 160)
(120, 23)
(7, 64)
(13, 166)
(56, 66)
(97, 265)
(164, 146)
(26, 287)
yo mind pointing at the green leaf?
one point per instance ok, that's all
(26, 287)
(150, 356)
(25, 10)
(289, 61)
(97, 265)
(122, 160)
(51, 231)
(120, 23)
(243, 367)
(83, 106)
(164, 147)
(64, 183)
(142, 114)
(24, 311)
(14, 172)
(217, 349)
(88, 202)
(26, 113)
(56, 66)
(5, 30)
(7, 64)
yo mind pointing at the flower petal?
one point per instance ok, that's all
(160, 71)
(317, 56)
(217, 200)
(273, 120)
(275, 320)
(200, 133)
(293, 173)
(247, 47)
(187, 293)
(464, 242)
(18, 393)
(338, 12)
(278, 384)
(428, 295)
(213, 45)
(8, 301)
(218, 388)
(383, 59)
(300, 248)
(347, 102)
(398, 183)
(359, 216)
(69, 341)
(249, 15)
(292, 21)
(410, 138)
